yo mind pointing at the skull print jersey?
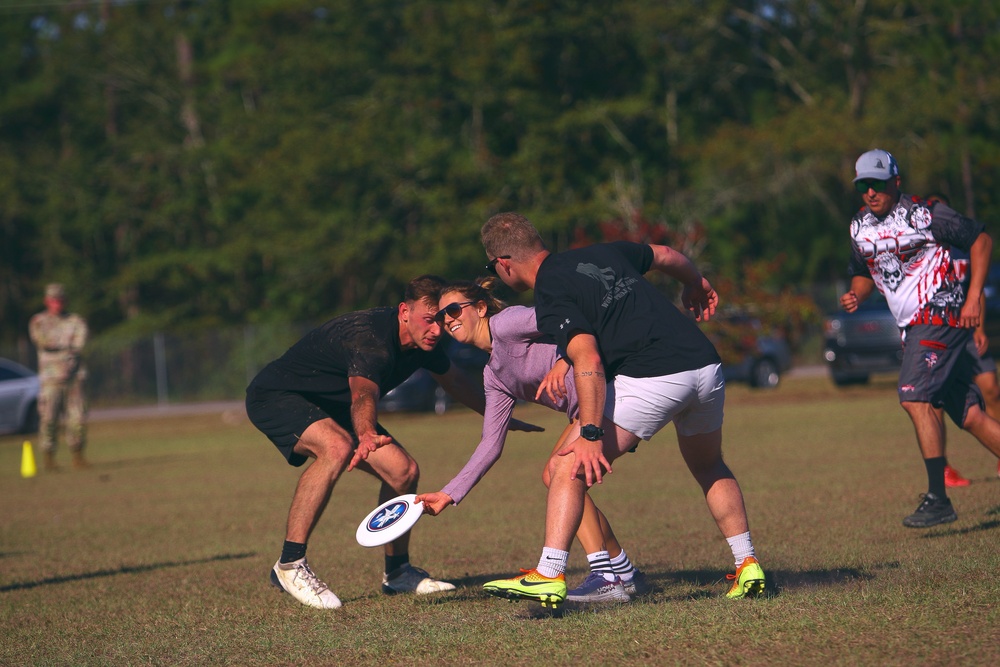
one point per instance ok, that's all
(908, 256)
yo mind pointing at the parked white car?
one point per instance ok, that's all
(18, 398)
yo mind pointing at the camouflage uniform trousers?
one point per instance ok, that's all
(62, 400)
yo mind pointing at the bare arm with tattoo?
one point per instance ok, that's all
(588, 373)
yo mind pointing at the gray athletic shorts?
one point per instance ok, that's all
(938, 369)
(693, 400)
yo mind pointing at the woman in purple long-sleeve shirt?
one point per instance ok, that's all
(525, 364)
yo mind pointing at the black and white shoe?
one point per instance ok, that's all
(931, 512)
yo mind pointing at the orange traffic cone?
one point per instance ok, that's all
(28, 468)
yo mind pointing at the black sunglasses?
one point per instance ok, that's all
(452, 310)
(492, 266)
(877, 186)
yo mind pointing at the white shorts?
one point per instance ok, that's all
(693, 400)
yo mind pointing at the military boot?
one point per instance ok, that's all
(79, 462)
(50, 461)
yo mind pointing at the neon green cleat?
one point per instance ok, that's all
(749, 580)
(530, 586)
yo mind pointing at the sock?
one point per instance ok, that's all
(600, 563)
(622, 566)
(292, 551)
(935, 476)
(552, 563)
(393, 563)
(741, 546)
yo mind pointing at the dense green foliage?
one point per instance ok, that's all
(183, 164)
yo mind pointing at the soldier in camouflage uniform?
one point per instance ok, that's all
(59, 338)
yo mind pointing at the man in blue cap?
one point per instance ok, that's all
(902, 247)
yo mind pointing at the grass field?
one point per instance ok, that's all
(159, 554)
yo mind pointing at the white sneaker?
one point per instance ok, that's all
(298, 580)
(409, 579)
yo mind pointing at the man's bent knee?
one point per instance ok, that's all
(918, 408)
(405, 479)
(711, 472)
(991, 392)
(394, 466)
(412, 474)
(975, 418)
(325, 440)
(337, 454)
(557, 465)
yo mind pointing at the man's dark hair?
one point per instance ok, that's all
(424, 288)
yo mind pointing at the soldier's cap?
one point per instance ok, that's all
(878, 165)
(55, 291)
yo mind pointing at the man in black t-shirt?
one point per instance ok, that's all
(319, 400)
(638, 363)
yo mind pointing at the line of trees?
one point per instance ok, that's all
(190, 164)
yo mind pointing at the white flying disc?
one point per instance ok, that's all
(389, 520)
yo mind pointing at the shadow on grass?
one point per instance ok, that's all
(135, 462)
(466, 588)
(534, 611)
(529, 609)
(777, 580)
(710, 583)
(951, 532)
(710, 580)
(124, 569)
(782, 580)
(103, 469)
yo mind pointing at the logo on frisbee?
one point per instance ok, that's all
(389, 521)
(388, 516)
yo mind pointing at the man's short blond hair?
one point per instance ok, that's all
(511, 235)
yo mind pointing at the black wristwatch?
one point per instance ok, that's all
(591, 432)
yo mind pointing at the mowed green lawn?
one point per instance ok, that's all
(160, 553)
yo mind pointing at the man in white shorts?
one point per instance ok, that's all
(614, 324)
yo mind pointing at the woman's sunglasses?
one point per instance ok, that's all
(877, 186)
(492, 266)
(452, 310)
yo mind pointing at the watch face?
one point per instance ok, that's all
(591, 432)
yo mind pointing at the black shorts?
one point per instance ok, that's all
(984, 364)
(938, 369)
(283, 416)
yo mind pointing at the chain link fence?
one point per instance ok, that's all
(165, 368)
(217, 364)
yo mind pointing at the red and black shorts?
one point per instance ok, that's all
(938, 369)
